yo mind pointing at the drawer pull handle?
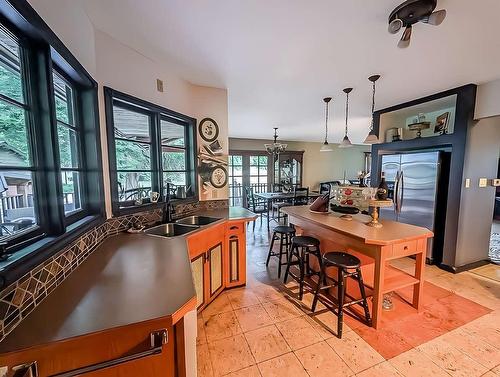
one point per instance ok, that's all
(233, 227)
(158, 339)
(406, 247)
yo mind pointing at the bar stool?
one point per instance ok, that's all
(307, 245)
(348, 266)
(283, 234)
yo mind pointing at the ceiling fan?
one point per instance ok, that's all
(411, 12)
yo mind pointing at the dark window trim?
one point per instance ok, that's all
(44, 51)
(157, 113)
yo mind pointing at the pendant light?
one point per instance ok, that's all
(276, 147)
(346, 143)
(372, 137)
(326, 147)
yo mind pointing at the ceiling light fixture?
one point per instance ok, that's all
(372, 137)
(275, 148)
(326, 147)
(346, 143)
(411, 12)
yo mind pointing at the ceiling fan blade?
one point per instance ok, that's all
(395, 26)
(405, 38)
(435, 18)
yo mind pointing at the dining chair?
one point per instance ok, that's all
(300, 196)
(255, 205)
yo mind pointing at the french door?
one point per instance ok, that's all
(248, 169)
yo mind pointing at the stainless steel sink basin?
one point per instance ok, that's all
(198, 220)
(171, 230)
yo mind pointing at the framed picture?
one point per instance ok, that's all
(442, 123)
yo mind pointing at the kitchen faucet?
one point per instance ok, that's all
(168, 209)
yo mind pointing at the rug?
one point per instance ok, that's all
(403, 328)
(495, 248)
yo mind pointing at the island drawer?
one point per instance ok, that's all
(404, 248)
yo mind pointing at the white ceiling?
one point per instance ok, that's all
(279, 58)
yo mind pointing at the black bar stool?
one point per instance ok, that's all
(307, 245)
(348, 266)
(283, 234)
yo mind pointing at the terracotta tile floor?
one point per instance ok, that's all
(260, 330)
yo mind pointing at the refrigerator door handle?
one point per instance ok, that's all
(400, 201)
(396, 193)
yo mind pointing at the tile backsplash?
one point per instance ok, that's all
(22, 297)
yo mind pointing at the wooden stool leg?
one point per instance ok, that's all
(363, 296)
(270, 249)
(287, 271)
(302, 273)
(340, 299)
(282, 239)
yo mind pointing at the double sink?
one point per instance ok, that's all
(181, 227)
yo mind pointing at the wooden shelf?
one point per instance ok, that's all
(394, 278)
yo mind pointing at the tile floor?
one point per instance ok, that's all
(259, 331)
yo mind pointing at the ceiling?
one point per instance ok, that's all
(279, 58)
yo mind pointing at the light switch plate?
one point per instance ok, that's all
(495, 182)
(483, 182)
(467, 182)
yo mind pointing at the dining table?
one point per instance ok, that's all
(271, 197)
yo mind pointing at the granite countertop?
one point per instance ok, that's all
(129, 278)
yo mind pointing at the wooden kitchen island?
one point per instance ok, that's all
(374, 246)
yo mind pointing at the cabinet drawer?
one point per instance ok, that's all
(404, 248)
(235, 228)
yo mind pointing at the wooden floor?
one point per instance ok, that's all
(261, 330)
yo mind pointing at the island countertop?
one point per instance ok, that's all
(391, 232)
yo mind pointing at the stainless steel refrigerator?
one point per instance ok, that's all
(413, 180)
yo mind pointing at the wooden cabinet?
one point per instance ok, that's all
(143, 349)
(207, 252)
(236, 255)
(218, 260)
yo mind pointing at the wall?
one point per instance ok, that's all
(476, 205)
(71, 24)
(318, 166)
(488, 100)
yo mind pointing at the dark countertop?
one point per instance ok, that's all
(231, 213)
(130, 278)
(126, 280)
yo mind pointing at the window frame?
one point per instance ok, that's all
(157, 114)
(42, 51)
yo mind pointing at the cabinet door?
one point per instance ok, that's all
(236, 265)
(215, 269)
(198, 271)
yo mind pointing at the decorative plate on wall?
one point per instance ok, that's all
(219, 177)
(208, 129)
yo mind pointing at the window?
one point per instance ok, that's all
(248, 169)
(49, 144)
(235, 180)
(150, 147)
(68, 137)
(17, 200)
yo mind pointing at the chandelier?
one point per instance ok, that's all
(275, 148)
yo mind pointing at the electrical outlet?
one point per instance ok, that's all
(467, 182)
(159, 85)
(483, 182)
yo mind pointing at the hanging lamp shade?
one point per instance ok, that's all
(326, 147)
(346, 143)
(372, 137)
